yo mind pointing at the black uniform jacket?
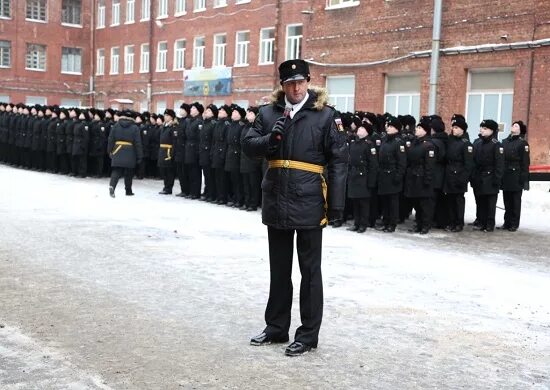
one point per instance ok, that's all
(392, 161)
(205, 142)
(233, 154)
(460, 163)
(516, 164)
(168, 134)
(489, 166)
(125, 156)
(419, 179)
(363, 168)
(293, 198)
(192, 140)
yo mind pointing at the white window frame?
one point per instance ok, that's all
(293, 44)
(347, 97)
(41, 6)
(72, 24)
(5, 9)
(145, 10)
(100, 14)
(241, 49)
(100, 62)
(42, 57)
(180, 8)
(144, 58)
(242, 1)
(162, 9)
(5, 51)
(265, 45)
(338, 4)
(129, 59)
(219, 51)
(162, 57)
(72, 59)
(115, 13)
(179, 55)
(220, 3)
(114, 67)
(199, 5)
(130, 11)
(198, 52)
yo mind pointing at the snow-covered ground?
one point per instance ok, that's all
(156, 292)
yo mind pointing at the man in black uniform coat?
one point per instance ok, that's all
(168, 135)
(81, 141)
(460, 163)
(205, 154)
(233, 156)
(488, 172)
(180, 123)
(516, 174)
(193, 128)
(251, 168)
(125, 150)
(51, 157)
(439, 139)
(219, 151)
(299, 146)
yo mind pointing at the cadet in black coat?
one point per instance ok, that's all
(488, 173)
(182, 171)
(299, 147)
(97, 143)
(362, 176)
(168, 134)
(233, 156)
(460, 163)
(205, 152)
(193, 129)
(440, 139)
(154, 145)
(125, 150)
(219, 151)
(37, 127)
(251, 168)
(392, 160)
(516, 174)
(51, 156)
(81, 140)
(419, 179)
(69, 137)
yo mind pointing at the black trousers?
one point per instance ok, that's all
(96, 165)
(252, 188)
(209, 182)
(167, 175)
(117, 173)
(424, 208)
(487, 210)
(195, 179)
(63, 165)
(441, 215)
(361, 211)
(374, 210)
(512, 205)
(183, 177)
(79, 165)
(390, 209)
(221, 184)
(405, 207)
(151, 168)
(456, 203)
(279, 304)
(476, 197)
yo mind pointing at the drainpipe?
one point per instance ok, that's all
(278, 21)
(531, 70)
(92, 55)
(149, 88)
(434, 67)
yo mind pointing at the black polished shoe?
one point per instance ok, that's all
(389, 229)
(503, 227)
(362, 229)
(251, 208)
(112, 192)
(337, 224)
(475, 223)
(180, 195)
(297, 348)
(457, 229)
(381, 228)
(415, 229)
(129, 193)
(424, 231)
(264, 339)
(165, 192)
(512, 229)
(243, 207)
(353, 228)
(479, 227)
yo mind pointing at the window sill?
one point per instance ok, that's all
(220, 6)
(199, 10)
(131, 22)
(143, 71)
(160, 17)
(36, 20)
(132, 72)
(35, 70)
(145, 20)
(178, 69)
(265, 63)
(161, 70)
(242, 2)
(72, 73)
(113, 74)
(344, 5)
(71, 25)
(5, 17)
(5, 67)
(115, 25)
(241, 65)
(100, 27)
(180, 14)
(100, 74)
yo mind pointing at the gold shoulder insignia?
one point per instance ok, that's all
(339, 124)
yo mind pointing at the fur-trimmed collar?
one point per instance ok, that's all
(318, 98)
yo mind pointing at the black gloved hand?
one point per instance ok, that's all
(277, 132)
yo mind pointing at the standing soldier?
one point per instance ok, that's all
(205, 153)
(38, 120)
(299, 146)
(392, 161)
(51, 156)
(125, 151)
(154, 144)
(488, 172)
(144, 126)
(233, 156)
(440, 139)
(192, 139)
(362, 175)
(69, 137)
(251, 168)
(168, 134)
(419, 180)
(81, 140)
(516, 174)
(219, 151)
(98, 143)
(180, 124)
(61, 142)
(460, 163)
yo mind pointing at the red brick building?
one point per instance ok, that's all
(371, 54)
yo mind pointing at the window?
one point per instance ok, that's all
(403, 95)
(180, 7)
(145, 9)
(220, 42)
(144, 58)
(341, 3)
(341, 92)
(129, 59)
(100, 66)
(36, 57)
(179, 54)
(33, 100)
(220, 3)
(5, 9)
(161, 106)
(130, 10)
(161, 56)
(199, 5)
(293, 41)
(5, 98)
(114, 60)
(241, 48)
(71, 60)
(491, 96)
(70, 12)
(101, 14)
(115, 16)
(5, 54)
(267, 45)
(163, 9)
(36, 10)
(70, 102)
(242, 1)
(241, 103)
(198, 52)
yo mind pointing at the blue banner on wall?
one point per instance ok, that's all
(207, 82)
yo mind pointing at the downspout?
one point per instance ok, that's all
(434, 67)
(278, 8)
(531, 71)
(92, 56)
(149, 89)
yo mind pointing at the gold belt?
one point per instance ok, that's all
(303, 166)
(168, 148)
(120, 144)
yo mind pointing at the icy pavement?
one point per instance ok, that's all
(153, 292)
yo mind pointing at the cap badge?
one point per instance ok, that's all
(293, 66)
